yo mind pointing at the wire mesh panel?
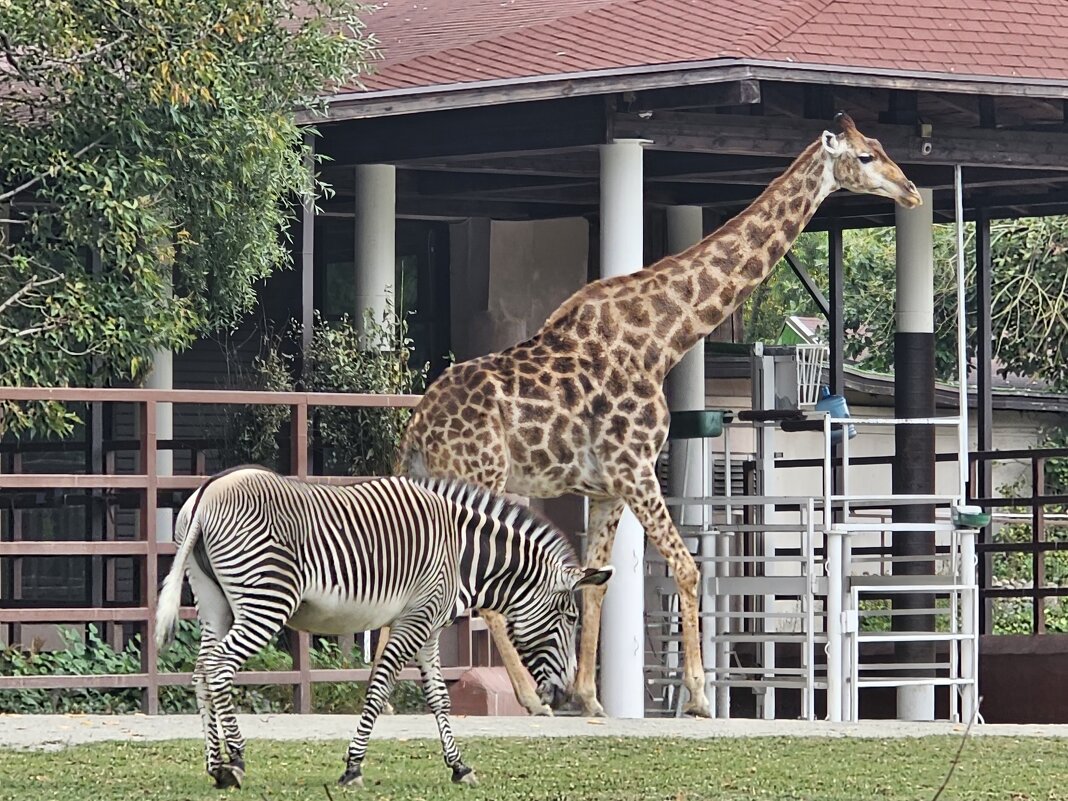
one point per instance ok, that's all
(811, 362)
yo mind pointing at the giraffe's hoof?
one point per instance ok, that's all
(388, 709)
(540, 710)
(227, 776)
(352, 777)
(698, 707)
(591, 708)
(464, 775)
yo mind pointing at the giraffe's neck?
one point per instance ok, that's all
(703, 285)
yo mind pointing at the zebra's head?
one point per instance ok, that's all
(543, 630)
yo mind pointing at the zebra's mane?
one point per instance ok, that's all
(520, 518)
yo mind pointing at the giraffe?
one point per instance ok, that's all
(579, 407)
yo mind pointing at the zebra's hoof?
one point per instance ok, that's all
(464, 775)
(352, 777)
(227, 776)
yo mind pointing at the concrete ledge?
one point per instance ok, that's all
(58, 731)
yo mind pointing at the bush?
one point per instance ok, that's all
(353, 441)
(93, 656)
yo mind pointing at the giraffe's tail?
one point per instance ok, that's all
(410, 460)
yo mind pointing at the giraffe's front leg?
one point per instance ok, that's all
(648, 506)
(522, 683)
(604, 518)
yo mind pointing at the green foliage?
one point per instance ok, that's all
(1015, 569)
(93, 656)
(357, 441)
(156, 140)
(1029, 260)
(604, 768)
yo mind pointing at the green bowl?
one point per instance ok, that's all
(700, 424)
(970, 517)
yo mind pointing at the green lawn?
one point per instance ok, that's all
(1022, 769)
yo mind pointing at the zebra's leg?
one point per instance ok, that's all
(604, 519)
(383, 638)
(406, 637)
(248, 635)
(522, 683)
(215, 616)
(437, 698)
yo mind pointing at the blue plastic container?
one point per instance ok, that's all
(837, 406)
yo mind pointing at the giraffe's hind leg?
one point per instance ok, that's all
(604, 518)
(522, 683)
(490, 469)
(383, 638)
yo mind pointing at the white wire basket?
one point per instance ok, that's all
(811, 361)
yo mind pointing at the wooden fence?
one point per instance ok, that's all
(146, 483)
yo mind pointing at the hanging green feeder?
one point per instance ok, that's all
(698, 424)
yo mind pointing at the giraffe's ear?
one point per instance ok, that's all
(594, 577)
(832, 144)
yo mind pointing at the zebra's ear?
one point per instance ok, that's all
(594, 577)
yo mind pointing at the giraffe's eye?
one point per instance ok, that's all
(865, 158)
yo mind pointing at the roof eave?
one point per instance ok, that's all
(357, 105)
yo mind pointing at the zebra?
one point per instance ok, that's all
(269, 551)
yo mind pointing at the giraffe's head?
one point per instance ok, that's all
(543, 629)
(861, 165)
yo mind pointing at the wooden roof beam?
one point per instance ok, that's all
(754, 136)
(708, 95)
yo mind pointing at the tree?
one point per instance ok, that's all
(150, 161)
(1030, 296)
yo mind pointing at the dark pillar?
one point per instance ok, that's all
(914, 459)
(984, 358)
(835, 320)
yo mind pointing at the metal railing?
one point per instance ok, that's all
(1036, 548)
(146, 484)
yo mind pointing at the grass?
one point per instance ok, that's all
(1006, 769)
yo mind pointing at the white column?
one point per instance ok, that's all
(376, 238)
(162, 377)
(623, 619)
(685, 387)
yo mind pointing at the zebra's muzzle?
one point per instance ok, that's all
(554, 696)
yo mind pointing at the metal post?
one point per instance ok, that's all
(835, 591)
(914, 460)
(622, 622)
(969, 625)
(150, 566)
(985, 411)
(307, 249)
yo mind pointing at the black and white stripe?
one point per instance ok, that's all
(408, 553)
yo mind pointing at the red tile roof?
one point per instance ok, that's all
(435, 42)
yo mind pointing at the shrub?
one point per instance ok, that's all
(93, 656)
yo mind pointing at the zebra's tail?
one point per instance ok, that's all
(170, 597)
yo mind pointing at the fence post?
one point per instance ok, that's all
(300, 641)
(150, 568)
(1038, 535)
